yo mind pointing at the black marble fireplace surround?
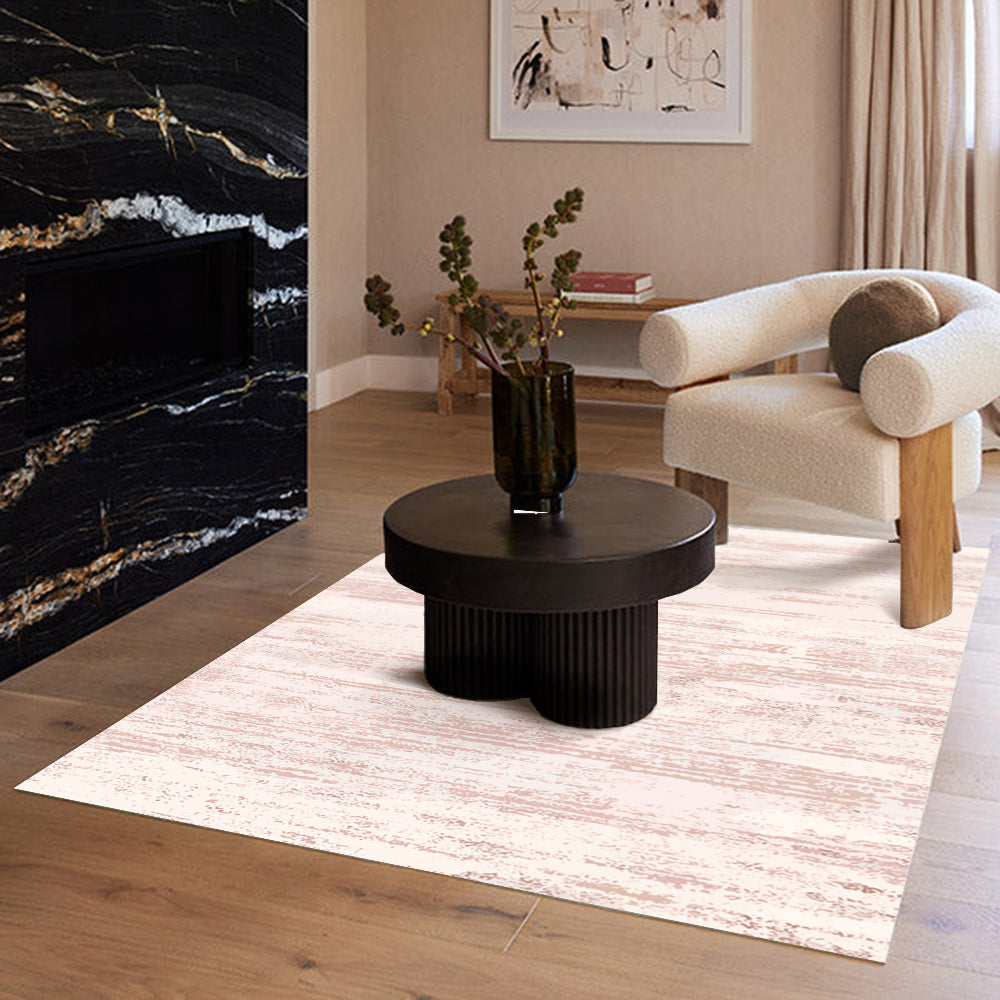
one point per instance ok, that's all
(152, 172)
(112, 328)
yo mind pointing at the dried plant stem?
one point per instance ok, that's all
(542, 333)
(502, 336)
(498, 364)
(491, 360)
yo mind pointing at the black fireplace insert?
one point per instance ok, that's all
(112, 328)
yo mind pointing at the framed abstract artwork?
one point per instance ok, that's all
(620, 70)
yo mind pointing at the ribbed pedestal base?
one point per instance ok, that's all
(590, 669)
(595, 669)
(475, 652)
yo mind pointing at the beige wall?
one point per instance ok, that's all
(705, 219)
(338, 183)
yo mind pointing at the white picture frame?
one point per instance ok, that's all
(611, 71)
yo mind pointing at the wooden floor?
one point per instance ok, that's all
(95, 903)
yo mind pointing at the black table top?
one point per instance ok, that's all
(619, 542)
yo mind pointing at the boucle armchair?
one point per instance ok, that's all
(902, 449)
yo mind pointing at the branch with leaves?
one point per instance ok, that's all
(498, 337)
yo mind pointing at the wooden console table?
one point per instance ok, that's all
(460, 375)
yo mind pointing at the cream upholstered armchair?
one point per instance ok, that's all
(902, 449)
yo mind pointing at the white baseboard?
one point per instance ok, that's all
(340, 381)
(374, 371)
(405, 373)
(605, 372)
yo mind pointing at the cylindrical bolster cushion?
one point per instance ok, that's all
(912, 387)
(729, 334)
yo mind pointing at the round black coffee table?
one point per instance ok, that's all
(560, 608)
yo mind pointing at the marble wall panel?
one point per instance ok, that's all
(123, 123)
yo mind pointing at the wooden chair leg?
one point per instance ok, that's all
(713, 491)
(956, 538)
(927, 527)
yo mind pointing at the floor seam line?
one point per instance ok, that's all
(520, 927)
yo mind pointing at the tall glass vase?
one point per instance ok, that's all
(534, 437)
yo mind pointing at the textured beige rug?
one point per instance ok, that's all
(776, 790)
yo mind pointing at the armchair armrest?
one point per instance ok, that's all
(729, 334)
(913, 387)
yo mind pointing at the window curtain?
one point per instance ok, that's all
(985, 208)
(908, 198)
(985, 205)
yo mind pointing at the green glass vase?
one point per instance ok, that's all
(534, 437)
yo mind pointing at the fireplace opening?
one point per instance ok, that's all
(110, 328)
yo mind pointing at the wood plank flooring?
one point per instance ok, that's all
(100, 904)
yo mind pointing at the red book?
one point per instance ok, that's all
(618, 282)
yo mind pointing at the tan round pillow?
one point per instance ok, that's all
(883, 312)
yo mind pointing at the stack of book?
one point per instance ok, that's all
(611, 286)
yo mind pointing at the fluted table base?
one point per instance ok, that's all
(590, 669)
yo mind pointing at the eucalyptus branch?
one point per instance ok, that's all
(499, 335)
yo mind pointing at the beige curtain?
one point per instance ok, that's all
(908, 198)
(905, 190)
(985, 207)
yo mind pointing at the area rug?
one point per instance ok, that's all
(776, 790)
